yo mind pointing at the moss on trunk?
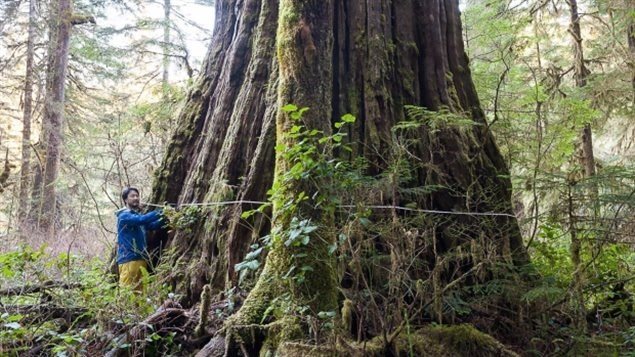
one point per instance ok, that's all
(304, 44)
(370, 59)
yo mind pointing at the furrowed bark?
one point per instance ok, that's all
(304, 46)
(384, 55)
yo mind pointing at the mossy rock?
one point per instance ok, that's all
(457, 340)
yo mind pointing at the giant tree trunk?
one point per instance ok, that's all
(304, 46)
(385, 55)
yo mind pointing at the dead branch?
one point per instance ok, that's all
(169, 317)
(30, 289)
(45, 312)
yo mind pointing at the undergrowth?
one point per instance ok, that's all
(75, 308)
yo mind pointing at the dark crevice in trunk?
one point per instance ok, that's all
(336, 79)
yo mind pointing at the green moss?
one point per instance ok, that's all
(465, 340)
(459, 340)
(347, 315)
(295, 349)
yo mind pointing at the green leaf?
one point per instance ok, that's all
(294, 233)
(348, 118)
(14, 318)
(267, 312)
(296, 115)
(254, 254)
(326, 314)
(250, 265)
(247, 214)
(309, 229)
(289, 108)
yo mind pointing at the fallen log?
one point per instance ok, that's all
(45, 312)
(31, 289)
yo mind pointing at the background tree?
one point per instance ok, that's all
(54, 110)
(565, 184)
(100, 106)
(25, 168)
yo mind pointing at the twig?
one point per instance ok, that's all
(81, 174)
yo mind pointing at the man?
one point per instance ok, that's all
(132, 252)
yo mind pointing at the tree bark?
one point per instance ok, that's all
(25, 169)
(385, 55)
(54, 114)
(631, 46)
(580, 70)
(167, 7)
(304, 46)
(588, 163)
(588, 159)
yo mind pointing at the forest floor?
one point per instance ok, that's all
(57, 300)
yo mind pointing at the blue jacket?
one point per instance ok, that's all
(131, 233)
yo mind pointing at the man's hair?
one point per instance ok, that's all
(126, 192)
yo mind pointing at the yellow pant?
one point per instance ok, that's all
(130, 274)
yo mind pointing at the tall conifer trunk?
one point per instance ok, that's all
(53, 121)
(25, 168)
(581, 74)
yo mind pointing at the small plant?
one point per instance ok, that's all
(183, 219)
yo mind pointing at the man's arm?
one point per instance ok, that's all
(158, 223)
(132, 219)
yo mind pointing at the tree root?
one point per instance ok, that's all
(186, 324)
(170, 317)
(456, 340)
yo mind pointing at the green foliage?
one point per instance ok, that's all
(250, 263)
(93, 307)
(184, 219)
(435, 120)
(522, 65)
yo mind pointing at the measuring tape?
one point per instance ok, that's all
(399, 208)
